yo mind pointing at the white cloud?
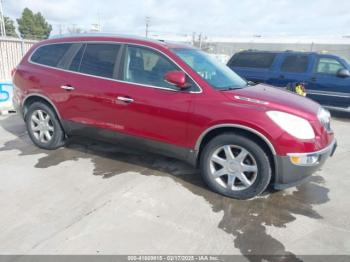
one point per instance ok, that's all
(211, 17)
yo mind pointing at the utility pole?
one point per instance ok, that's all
(99, 26)
(148, 21)
(60, 29)
(2, 21)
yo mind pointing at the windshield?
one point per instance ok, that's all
(216, 74)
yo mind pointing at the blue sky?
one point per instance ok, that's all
(210, 17)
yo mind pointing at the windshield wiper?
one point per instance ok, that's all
(231, 88)
(228, 88)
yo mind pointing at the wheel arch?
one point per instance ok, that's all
(32, 98)
(255, 135)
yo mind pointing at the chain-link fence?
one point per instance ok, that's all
(11, 52)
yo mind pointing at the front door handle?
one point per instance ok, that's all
(125, 99)
(67, 87)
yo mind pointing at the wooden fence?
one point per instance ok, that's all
(11, 52)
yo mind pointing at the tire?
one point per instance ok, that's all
(246, 173)
(41, 118)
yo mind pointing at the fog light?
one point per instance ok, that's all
(304, 160)
(295, 160)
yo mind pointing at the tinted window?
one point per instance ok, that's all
(148, 67)
(257, 60)
(75, 64)
(50, 55)
(295, 64)
(99, 59)
(328, 66)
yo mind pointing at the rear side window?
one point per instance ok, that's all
(254, 60)
(98, 60)
(295, 64)
(76, 61)
(50, 55)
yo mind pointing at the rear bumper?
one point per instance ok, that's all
(16, 104)
(289, 174)
(16, 100)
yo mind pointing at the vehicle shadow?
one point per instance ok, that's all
(247, 220)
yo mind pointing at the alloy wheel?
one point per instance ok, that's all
(42, 126)
(233, 167)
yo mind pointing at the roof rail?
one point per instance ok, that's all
(102, 35)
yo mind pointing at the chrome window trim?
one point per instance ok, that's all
(111, 79)
(199, 140)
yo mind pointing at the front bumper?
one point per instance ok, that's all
(289, 174)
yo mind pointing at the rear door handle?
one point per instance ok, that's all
(67, 87)
(282, 76)
(313, 79)
(125, 99)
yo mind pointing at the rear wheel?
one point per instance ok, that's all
(44, 127)
(235, 166)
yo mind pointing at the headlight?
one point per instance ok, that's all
(294, 125)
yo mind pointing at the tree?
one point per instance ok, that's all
(10, 27)
(33, 26)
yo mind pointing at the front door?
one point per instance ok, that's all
(154, 109)
(326, 87)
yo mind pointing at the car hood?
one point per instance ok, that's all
(273, 98)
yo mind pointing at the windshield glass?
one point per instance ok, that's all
(216, 74)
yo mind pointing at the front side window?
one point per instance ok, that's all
(98, 59)
(295, 64)
(213, 72)
(328, 66)
(145, 66)
(50, 55)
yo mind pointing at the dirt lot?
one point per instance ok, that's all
(94, 198)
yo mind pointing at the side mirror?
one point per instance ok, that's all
(343, 73)
(177, 78)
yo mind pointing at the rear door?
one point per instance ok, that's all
(293, 68)
(89, 88)
(326, 86)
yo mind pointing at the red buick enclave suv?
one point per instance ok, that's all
(174, 100)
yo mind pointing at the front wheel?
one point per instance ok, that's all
(235, 166)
